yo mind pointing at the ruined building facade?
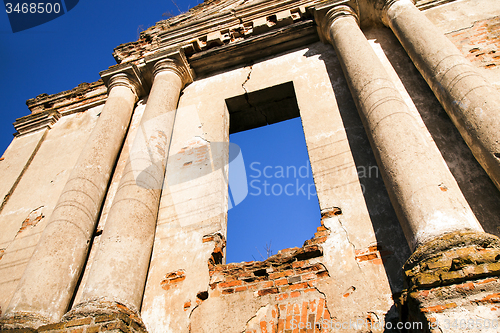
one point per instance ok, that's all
(100, 231)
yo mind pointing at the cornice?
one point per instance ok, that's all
(84, 96)
(254, 48)
(36, 121)
(219, 28)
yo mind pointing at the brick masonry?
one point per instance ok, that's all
(287, 282)
(480, 43)
(116, 318)
(454, 286)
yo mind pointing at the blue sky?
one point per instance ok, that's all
(74, 48)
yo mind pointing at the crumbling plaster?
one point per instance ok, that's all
(319, 84)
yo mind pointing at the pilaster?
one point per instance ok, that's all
(119, 270)
(40, 298)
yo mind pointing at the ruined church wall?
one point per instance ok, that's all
(351, 269)
(365, 247)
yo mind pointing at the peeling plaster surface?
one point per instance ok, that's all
(202, 119)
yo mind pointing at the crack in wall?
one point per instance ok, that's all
(350, 242)
(247, 97)
(246, 80)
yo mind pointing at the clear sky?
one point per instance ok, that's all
(75, 47)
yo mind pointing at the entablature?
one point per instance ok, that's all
(211, 37)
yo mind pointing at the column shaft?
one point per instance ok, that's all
(423, 191)
(119, 271)
(49, 281)
(470, 101)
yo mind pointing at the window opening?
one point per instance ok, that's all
(281, 208)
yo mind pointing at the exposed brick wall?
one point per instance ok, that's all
(287, 281)
(105, 317)
(32, 220)
(172, 279)
(480, 43)
(456, 285)
(116, 322)
(373, 255)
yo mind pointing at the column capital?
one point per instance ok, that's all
(126, 75)
(385, 5)
(175, 62)
(326, 15)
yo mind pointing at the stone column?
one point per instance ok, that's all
(423, 191)
(48, 283)
(119, 271)
(471, 102)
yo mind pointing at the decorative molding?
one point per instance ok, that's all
(199, 32)
(172, 61)
(428, 4)
(36, 121)
(127, 75)
(254, 48)
(81, 98)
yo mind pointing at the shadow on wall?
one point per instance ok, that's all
(477, 188)
(391, 246)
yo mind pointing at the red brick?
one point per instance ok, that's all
(231, 284)
(282, 297)
(493, 298)
(266, 284)
(303, 318)
(309, 276)
(263, 327)
(208, 239)
(277, 275)
(177, 279)
(243, 288)
(227, 291)
(268, 291)
(486, 281)
(281, 282)
(321, 234)
(466, 286)
(299, 286)
(367, 257)
(79, 322)
(297, 264)
(438, 308)
(323, 274)
(321, 304)
(289, 312)
(295, 294)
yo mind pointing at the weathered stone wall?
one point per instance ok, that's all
(350, 271)
(49, 156)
